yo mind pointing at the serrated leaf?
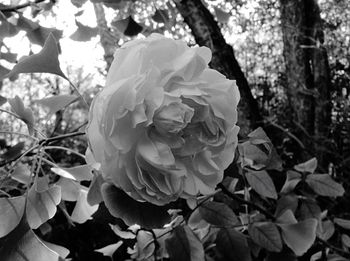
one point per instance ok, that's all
(286, 202)
(83, 210)
(293, 178)
(13, 152)
(46, 61)
(184, 245)
(300, 236)
(23, 244)
(324, 185)
(83, 33)
(78, 173)
(131, 211)
(266, 235)
(325, 230)
(344, 223)
(308, 166)
(218, 214)
(41, 205)
(25, 114)
(161, 16)
(110, 249)
(11, 212)
(128, 26)
(221, 15)
(94, 194)
(261, 182)
(57, 102)
(233, 245)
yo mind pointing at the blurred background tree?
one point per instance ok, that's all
(291, 61)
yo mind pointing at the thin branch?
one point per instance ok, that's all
(17, 7)
(334, 248)
(243, 201)
(60, 137)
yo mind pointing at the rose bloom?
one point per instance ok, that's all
(164, 126)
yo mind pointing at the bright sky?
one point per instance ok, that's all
(88, 55)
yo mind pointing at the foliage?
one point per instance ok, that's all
(265, 209)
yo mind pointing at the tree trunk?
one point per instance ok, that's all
(307, 72)
(207, 33)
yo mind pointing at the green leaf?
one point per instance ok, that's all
(7, 29)
(345, 239)
(218, 214)
(36, 33)
(221, 15)
(122, 234)
(161, 16)
(324, 185)
(233, 245)
(10, 57)
(287, 217)
(286, 202)
(78, 3)
(83, 33)
(57, 102)
(41, 205)
(131, 211)
(3, 100)
(13, 152)
(308, 166)
(293, 178)
(261, 182)
(25, 114)
(184, 245)
(145, 247)
(94, 194)
(11, 212)
(23, 244)
(83, 210)
(110, 249)
(78, 173)
(300, 236)
(3, 71)
(266, 235)
(128, 26)
(60, 250)
(70, 189)
(325, 230)
(21, 174)
(344, 223)
(46, 61)
(309, 209)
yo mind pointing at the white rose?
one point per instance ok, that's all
(164, 126)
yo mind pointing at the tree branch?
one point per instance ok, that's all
(243, 201)
(8, 9)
